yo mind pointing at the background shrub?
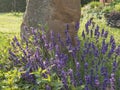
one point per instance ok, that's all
(95, 4)
(12, 5)
(117, 7)
(107, 9)
(114, 2)
(83, 2)
(113, 19)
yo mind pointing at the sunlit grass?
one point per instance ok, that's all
(10, 22)
(9, 27)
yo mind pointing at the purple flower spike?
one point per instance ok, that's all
(118, 51)
(96, 30)
(86, 27)
(78, 66)
(103, 31)
(68, 40)
(37, 54)
(104, 47)
(78, 44)
(48, 87)
(86, 65)
(57, 51)
(83, 34)
(97, 83)
(86, 88)
(112, 81)
(64, 79)
(71, 76)
(96, 52)
(77, 26)
(87, 79)
(106, 34)
(114, 66)
(112, 40)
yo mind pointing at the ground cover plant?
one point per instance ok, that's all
(93, 63)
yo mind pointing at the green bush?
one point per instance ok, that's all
(117, 7)
(83, 2)
(114, 3)
(12, 5)
(107, 9)
(5, 5)
(95, 4)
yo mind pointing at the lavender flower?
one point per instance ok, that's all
(83, 34)
(86, 65)
(96, 52)
(64, 79)
(104, 47)
(86, 88)
(86, 27)
(28, 77)
(96, 30)
(83, 63)
(97, 83)
(112, 50)
(48, 87)
(112, 81)
(77, 26)
(71, 76)
(118, 50)
(114, 66)
(112, 40)
(68, 40)
(106, 34)
(103, 31)
(87, 79)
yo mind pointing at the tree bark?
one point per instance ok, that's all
(53, 13)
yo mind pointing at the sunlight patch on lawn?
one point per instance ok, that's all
(10, 22)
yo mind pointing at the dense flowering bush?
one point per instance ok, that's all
(91, 64)
(113, 19)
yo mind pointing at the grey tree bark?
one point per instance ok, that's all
(53, 13)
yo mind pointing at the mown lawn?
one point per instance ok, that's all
(10, 22)
(9, 27)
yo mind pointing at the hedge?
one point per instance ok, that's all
(12, 5)
(84, 2)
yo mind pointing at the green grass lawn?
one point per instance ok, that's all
(9, 27)
(10, 22)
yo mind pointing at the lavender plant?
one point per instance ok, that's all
(91, 64)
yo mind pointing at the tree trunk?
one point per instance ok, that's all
(53, 13)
